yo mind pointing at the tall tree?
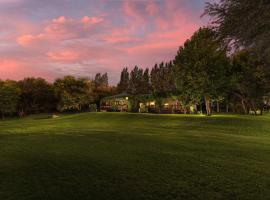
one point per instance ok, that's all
(136, 81)
(201, 68)
(162, 78)
(102, 88)
(9, 97)
(155, 79)
(146, 87)
(124, 81)
(101, 80)
(136, 87)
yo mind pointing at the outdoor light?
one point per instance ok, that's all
(152, 103)
(126, 98)
(166, 104)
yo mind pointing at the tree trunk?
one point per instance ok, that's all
(196, 108)
(218, 109)
(21, 113)
(207, 105)
(227, 107)
(244, 106)
(261, 111)
(185, 110)
(254, 108)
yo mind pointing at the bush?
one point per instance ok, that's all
(93, 108)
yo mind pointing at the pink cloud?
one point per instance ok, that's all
(134, 33)
(151, 8)
(91, 20)
(67, 56)
(58, 29)
(60, 20)
(16, 70)
(26, 40)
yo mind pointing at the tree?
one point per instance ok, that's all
(155, 79)
(123, 85)
(101, 80)
(136, 81)
(162, 78)
(146, 87)
(249, 81)
(73, 94)
(244, 23)
(9, 97)
(136, 87)
(37, 96)
(200, 68)
(101, 88)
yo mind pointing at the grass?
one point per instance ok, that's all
(135, 156)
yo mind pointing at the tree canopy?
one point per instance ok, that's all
(201, 68)
(9, 97)
(243, 23)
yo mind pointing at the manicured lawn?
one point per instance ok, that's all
(135, 156)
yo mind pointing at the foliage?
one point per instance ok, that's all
(244, 23)
(101, 80)
(93, 107)
(146, 85)
(136, 81)
(9, 97)
(124, 81)
(162, 78)
(37, 96)
(101, 88)
(73, 94)
(201, 68)
(250, 79)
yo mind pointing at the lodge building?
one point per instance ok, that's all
(122, 103)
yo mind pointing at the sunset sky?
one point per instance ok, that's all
(53, 38)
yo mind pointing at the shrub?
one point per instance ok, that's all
(93, 108)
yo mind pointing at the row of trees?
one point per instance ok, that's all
(36, 95)
(226, 63)
(143, 81)
(204, 73)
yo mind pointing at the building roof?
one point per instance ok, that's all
(121, 95)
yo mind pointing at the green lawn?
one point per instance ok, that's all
(135, 156)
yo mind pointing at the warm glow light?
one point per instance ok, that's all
(126, 98)
(152, 103)
(166, 104)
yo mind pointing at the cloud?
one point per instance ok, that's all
(17, 69)
(61, 28)
(56, 37)
(152, 9)
(64, 56)
(26, 40)
(91, 20)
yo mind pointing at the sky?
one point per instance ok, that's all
(54, 38)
